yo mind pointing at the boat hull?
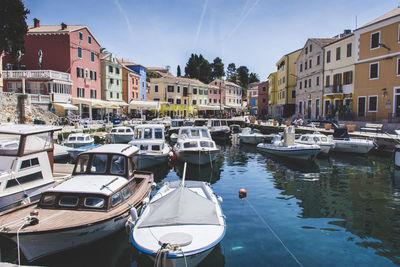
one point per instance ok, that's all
(254, 140)
(121, 138)
(306, 154)
(73, 153)
(220, 135)
(143, 161)
(349, 146)
(197, 157)
(52, 242)
(15, 199)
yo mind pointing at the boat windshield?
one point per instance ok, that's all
(117, 164)
(99, 163)
(204, 133)
(138, 133)
(121, 130)
(71, 138)
(9, 144)
(195, 133)
(158, 133)
(82, 164)
(80, 138)
(224, 123)
(147, 133)
(190, 144)
(216, 123)
(206, 144)
(38, 142)
(324, 139)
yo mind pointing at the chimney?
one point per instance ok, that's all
(63, 26)
(36, 23)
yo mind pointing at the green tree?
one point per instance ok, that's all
(178, 71)
(217, 69)
(199, 68)
(13, 26)
(151, 74)
(231, 74)
(243, 76)
(253, 77)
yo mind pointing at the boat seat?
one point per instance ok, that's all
(176, 238)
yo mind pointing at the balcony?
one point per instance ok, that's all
(36, 75)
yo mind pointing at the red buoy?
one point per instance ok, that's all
(242, 193)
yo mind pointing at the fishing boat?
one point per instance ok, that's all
(93, 204)
(74, 152)
(326, 143)
(153, 149)
(252, 136)
(26, 163)
(343, 142)
(79, 140)
(121, 135)
(176, 124)
(287, 148)
(194, 145)
(181, 225)
(219, 129)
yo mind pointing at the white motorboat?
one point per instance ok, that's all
(194, 145)
(181, 225)
(153, 150)
(252, 136)
(288, 148)
(343, 143)
(121, 135)
(176, 124)
(90, 206)
(79, 140)
(326, 143)
(26, 163)
(219, 129)
(74, 152)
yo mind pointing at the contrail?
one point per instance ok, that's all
(242, 19)
(123, 13)
(245, 7)
(199, 26)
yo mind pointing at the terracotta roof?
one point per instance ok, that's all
(231, 83)
(393, 13)
(120, 61)
(162, 71)
(54, 28)
(189, 80)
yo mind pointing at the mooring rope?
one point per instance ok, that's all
(273, 232)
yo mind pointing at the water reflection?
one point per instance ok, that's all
(207, 173)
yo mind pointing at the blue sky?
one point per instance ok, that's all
(254, 33)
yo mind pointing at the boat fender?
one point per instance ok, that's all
(153, 185)
(145, 201)
(34, 217)
(242, 193)
(220, 199)
(134, 214)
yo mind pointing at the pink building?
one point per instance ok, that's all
(214, 95)
(263, 98)
(65, 48)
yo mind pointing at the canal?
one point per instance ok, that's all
(343, 210)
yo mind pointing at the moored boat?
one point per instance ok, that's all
(252, 136)
(219, 129)
(326, 143)
(121, 135)
(343, 143)
(91, 205)
(79, 140)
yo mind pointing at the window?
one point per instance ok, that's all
(95, 75)
(93, 93)
(374, 70)
(79, 72)
(310, 48)
(305, 65)
(79, 52)
(293, 95)
(264, 88)
(318, 59)
(195, 91)
(92, 56)
(306, 50)
(348, 77)
(126, 192)
(94, 202)
(309, 82)
(170, 88)
(156, 88)
(328, 80)
(372, 103)
(300, 107)
(201, 92)
(117, 70)
(178, 101)
(310, 63)
(117, 164)
(349, 48)
(80, 36)
(301, 67)
(170, 100)
(194, 102)
(89, 39)
(215, 100)
(111, 95)
(305, 84)
(117, 95)
(81, 92)
(110, 69)
(99, 163)
(328, 56)
(398, 66)
(300, 85)
(375, 40)
(68, 201)
(111, 81)
(116, 199)
(264, 100)
(29, 163)
(317, 82)
(338, 53)
(178, 89)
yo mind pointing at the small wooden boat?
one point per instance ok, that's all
(90, 206)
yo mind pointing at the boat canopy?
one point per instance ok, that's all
(181, 207)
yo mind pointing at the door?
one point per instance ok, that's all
(361, 106)
(327, 102)
(309, 109)
(316, 108)
(396, 104)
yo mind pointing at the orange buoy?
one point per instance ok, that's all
(242, 193)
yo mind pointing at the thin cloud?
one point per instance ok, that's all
(242, 19)
(126, 18)
(203, 12)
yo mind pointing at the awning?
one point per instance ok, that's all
(208, 107)
(66, 106)
(97, 103)
(147, 105)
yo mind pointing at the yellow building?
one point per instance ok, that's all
(286, 84)
(272, 94)
(377, 68)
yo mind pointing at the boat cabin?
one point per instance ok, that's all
(149, 132)
(103, 178)
(79, 139)
(217, 123)
(121, 130)
(194, 133)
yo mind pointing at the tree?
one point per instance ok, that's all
(243, 76)
(178, 71)
(13, 26)
(151, 74)
(253, 77)
(217, 69)
(198, 67)
(231, 74)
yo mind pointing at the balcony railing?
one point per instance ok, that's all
(337, 89)
(36, 74)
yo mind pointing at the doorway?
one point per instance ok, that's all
(361, 106)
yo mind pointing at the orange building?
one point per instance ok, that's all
(130, 84)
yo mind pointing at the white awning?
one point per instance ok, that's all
(97, 103)
(208, 107)
(66, 106)
(147, 105)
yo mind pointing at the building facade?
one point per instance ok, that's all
(139, 69)
(230, 94)
(339, 77)
(203, 95)
(310, 73)
(286, 84)
(377, 68)
(272, 94)
(111, 78)
(252, 98)
(130, 85)
(263, 88)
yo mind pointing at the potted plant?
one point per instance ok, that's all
(328, 126)
(351, 127)
(288, 123)
(259, 122)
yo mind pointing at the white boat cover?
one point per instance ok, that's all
(181, 207)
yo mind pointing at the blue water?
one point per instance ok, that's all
(341, 211)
